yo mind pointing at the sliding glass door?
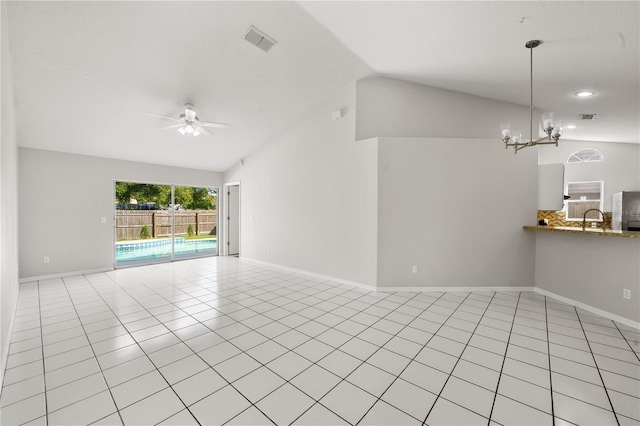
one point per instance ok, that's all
(161, 223)
(196, 222)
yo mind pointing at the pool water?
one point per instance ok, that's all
(158, 248)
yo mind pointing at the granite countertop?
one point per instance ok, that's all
(590, 231)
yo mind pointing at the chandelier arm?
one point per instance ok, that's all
(544, 139)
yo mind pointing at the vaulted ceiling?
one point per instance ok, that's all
(85, 72)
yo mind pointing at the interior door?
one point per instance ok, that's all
(233, 220)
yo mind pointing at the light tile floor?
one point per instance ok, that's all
(225, 341)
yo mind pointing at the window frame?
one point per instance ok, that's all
(600, 202)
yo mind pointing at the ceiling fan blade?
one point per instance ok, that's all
(204, 131)
(218, 125)
(173, 126)
(164, 116)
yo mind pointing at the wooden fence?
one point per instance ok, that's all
(129, 223)
(576, 210)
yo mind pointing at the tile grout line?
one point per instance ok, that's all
(626, 340)
(424, 422)
(311, 337)
(290, 286)
(343, 319)
(404, 327)
(147, 356)
(613, 410)
(197, 354)
(546, 316)
(342, 379)
(281, 285)
(506, 350)
(317, 401)
(414, 357)
(94, 354)
(44, 370)
(535, 384)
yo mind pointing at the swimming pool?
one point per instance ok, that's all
(157, 248)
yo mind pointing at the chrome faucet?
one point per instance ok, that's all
(584, 218)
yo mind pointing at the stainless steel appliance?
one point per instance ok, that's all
(626, 211)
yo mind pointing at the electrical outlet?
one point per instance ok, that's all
(46, 259)
(626, 293)
(103, 219)
(414, 269)
(269, 250)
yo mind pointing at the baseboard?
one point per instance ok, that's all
(461, 289)
(312, 274)
(5, 357)
(589, 308)
(538, 290)
(64, 274)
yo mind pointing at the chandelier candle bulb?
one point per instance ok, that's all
(557, 131)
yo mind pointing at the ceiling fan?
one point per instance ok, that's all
(189, 123)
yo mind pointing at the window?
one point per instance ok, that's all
(584, 196)
(586, 155)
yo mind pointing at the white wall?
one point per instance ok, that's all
(308, 198)
(455, 209)
(620, 169)
(8, 198)
(62, 198)
(367, 211)
(394, 108)
(592, 270)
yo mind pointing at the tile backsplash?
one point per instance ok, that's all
(559, 219)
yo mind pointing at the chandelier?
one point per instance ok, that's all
(552, 128)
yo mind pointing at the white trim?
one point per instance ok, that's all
(589, 308)
(65, 274)
(312, 274)
(538, 290)
(9, 333)
(461, 289)
(368, 287)
(568, 202)
(225, 212)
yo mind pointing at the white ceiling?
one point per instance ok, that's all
(85, 72)
(478, 47)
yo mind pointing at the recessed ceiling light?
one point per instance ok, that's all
(570, 126)
(585, 93)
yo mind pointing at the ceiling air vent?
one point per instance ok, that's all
(260, 39)
(588, 116)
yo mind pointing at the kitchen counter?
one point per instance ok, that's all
(589, 231)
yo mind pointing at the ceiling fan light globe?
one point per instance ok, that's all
(188, 128)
